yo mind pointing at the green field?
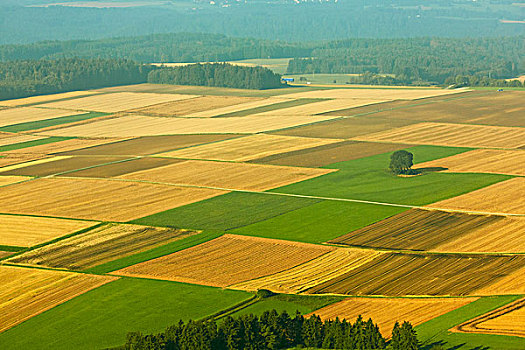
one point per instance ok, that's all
(102, 317)
(21, 145)
(435, 331)
(226, 212)
(50, 122)
(320, 222)
(272, 107)
(369, 179)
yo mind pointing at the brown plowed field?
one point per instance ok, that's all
(11, 139)
(227, 260)
(28, 292)
(503, 197)
(311, 273)
(513, 283)
(507, 320)
(322, 107)
(386, 311)
(416, 229)
(116, 102)
(96, 199)
(237, 107)
(62, 146)
(121, 168)
(27, 231)
(248, 147)
(419, 274)
(100, 245)
(34, 162)
(194, 105)
(62, 165)
(135, 126)
(31, 114)
(457, 135)
(496, 161)
(329, 154)
(345, 128)
(44, 98)
(375, 94)
(239, 176)
(503, 236)
(149, 145)
(8, 180)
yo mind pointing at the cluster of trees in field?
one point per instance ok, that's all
(418, 60)
(37, 77)
(401, 163)
(273, 330)
(217, 74)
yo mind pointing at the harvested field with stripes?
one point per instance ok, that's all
(375, 94)
(239, 176)
(314, 272)
(45, 98)
(100, 245)
(256, 103)
(456, 135)
(27, 231)
(395, 275)
(248, 147)
(116, 102)
(503, 197)
(8, 159)
(41, 160)
(28, 292)
(5, 254)
(190, 107)
(386, 311)
(227, 260)
(148, 145)
(122, 168)
(322, 107)
(418, 230)
(328, 154)
(506, 320)
(96, 199)
(63, 146)
(513, 283)
(8, 180)
(31, 114)
(10, 139)
(495, 161)
(135, 125)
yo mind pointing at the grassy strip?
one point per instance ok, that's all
(154, 253)
(51, 122)
(10, 248)
(272, 107)
(20, 145)
(435, 331)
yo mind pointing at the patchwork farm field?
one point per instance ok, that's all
(129, 208)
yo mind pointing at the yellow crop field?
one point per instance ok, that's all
(134, 125)
(375, 94)
(504, 236)
(506, 197)
(28, 292)
(100, 245)
(236, 108)
(307, 275)
(63, 146)
(31, 114)
(27, 231)
(116, 102)
(513, 283)
(8, 159)
(32, 162)
(457, 135)
(386, 311)
(11, 139)
(96, 199)
(45, 98)
(8, 180)
(322, 107)
(495, 161)
(4, 254)
(224, 175)
(227, 260)
(506, 320)
(248, 147)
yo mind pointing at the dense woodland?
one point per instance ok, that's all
(274, 331)
(217, 74)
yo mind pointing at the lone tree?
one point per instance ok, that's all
(401, 162)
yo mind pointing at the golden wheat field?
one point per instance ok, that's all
(31, 114)
(8, 159)
(27, 231)
(224, 175)
(322, 107)
(506, 197)
(28, 163)
(63, 146)
(96, 199)
(8, 180)
(248, 148)
(513, 283)
(496, 161)
(28, 292)
(11, 139)
(116, 102)
(311, 273)
(457, 135)
(227, 260)
(386, 311)
(375, 94)
(45, 98)
(213, 112)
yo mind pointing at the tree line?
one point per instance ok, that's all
(273, 330)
